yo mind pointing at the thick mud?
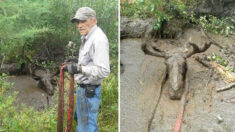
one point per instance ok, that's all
(29, 93)
(142, 83)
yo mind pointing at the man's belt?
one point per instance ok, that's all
(89, 89)
(88, 85)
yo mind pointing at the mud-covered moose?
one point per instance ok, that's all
(176, 61)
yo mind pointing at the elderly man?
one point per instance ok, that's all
(91, 69)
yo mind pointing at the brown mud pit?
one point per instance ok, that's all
(29, 93)
(145, 103)
(46, 79)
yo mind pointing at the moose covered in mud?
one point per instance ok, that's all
(176, 60)
(46, 80)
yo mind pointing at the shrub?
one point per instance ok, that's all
(216, 25)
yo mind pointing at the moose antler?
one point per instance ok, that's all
(150, 50)
(196, 48)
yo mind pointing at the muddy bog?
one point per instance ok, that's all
(29, 93)
(146, 84)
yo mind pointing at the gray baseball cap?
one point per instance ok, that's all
(83, 13)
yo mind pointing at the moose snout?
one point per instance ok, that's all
(177, 70)
(48, 86)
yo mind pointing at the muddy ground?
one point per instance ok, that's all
(29, 93)
(142, 83)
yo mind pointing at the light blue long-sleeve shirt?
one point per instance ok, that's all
(93, 57)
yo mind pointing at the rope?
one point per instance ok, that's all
(184, 101)
(61, 102)
(71, 103)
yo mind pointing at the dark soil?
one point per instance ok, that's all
(219, 8)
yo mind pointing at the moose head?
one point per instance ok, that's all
(176, 61)
(46, 80)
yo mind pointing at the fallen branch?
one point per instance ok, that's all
(203, 61)
(229, 86)
(229, 76)
(226, 74)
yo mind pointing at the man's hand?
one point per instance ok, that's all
(72, 68)
(75, 60)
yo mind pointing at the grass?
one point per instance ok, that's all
(21, 118)
(108, 113)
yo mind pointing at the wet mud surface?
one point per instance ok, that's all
(29, 93)
(142, 84)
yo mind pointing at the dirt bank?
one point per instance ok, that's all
(141, 83)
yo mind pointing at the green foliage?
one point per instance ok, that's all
(47, 65)
(160, 19)
(153, 8)
(114, 58)
(216, 25)
(108, 113)
(15, 118)
(160, 10)
(217, 59)
(19, 24)
(30, 26)
(177, 9)
(4, 86)
(222, 26)
(220, 60)
(139, 9)
(164, 10)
